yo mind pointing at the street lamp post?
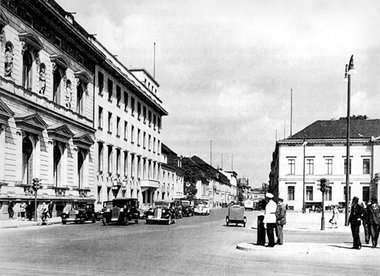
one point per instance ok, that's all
(303, 178)
(348, 71)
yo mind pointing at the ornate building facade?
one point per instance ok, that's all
(47, 68)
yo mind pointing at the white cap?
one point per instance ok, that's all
(269, 195)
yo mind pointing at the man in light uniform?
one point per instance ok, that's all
(270, 218)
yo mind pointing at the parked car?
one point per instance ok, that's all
(187, 209)
(121, 210)
(202, 209)
(236, 215)
(78, 212)
(177, 208)
(162, 212)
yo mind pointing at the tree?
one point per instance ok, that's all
(190, 191)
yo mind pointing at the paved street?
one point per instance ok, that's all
(192, 246)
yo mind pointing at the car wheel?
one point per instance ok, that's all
(82, 220)
(63, 221)
(93, 220)
(125, 221)
(137, 221)
(105, 221)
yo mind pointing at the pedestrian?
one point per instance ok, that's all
(50, 208)
(335, 217)
(374, 220)
(280, 220)
(270, 218)
(29, 210)
(23, 210)
(366, 221)
(10, 210)
(356, 215)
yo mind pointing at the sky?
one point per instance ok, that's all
(226, 68)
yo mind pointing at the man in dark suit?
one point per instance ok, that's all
(50, 208)
(280, 220)
(356, 215)
(374, 221)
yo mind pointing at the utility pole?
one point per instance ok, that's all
(291, 111)
(154, 60)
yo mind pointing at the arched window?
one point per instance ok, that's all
(81, 158)
(57, 170)
(58, 75)
(27, 61)
(82, 80)
(60, 65)
(80, 99)
(27, 161)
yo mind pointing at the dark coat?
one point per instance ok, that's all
(281, 214)
(356, 214)
(374, 214)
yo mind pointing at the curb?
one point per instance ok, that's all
(244, 246)
(27, 225)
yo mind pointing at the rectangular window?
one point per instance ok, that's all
(125, 130)
(109, 122)
(100, 158)
(144, 138)
(138, 137)
(328, 194)
(138, 167)
(144, 113)
(118, 95)
(110, 90)
(159, 122)
(125, 163)
(345, 166)
(158, 146)
(154, 144)
(99, 194)
(365, 194)
(118, 126)
(132, 165)
(344, 192)
(310, 166)
(292, 166)
(100, 83)
(154, 121)
(149, 117)
(125, 101)
(100, 117)
(309, 193)
(132, 134)
(150, 143)
(118, 159)
(133, 106)
(109, 159)
(366, 166)
(290, 192)
(329, 164)
(138, 110)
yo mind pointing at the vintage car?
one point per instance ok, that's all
(162, 211)
(121, 210)
(202, 209)
(187, 209)
(78, 212)
(235, 214)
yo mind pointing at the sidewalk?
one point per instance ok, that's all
(18, 223)
(309, 222)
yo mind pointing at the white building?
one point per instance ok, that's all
(319, 151)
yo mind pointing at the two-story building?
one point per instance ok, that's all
(319, 151)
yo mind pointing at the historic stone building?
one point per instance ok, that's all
(47, 69)
(319, 151)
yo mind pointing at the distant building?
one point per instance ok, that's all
(172, 179)
(319, 151)
(243, 188)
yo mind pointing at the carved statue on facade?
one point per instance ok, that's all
(69, 94)
(8, 66)
(42, 78)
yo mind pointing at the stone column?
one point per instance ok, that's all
(2, 153)
(19, 136)
(36, 156)
(50, 150)
(74, 173)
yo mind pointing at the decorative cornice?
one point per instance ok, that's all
(3, 19)
(83, 140)
(60, 132)
(32, 40)
(5, 113)
(31, 122)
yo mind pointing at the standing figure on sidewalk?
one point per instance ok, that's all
(10, 210)
(354, 220)
(270, 218)
(374, 221)
(335, 217)
(50, 208)
(23, 210)
(280, 220)
(366, 222)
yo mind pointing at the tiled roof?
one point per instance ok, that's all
(330, 129)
